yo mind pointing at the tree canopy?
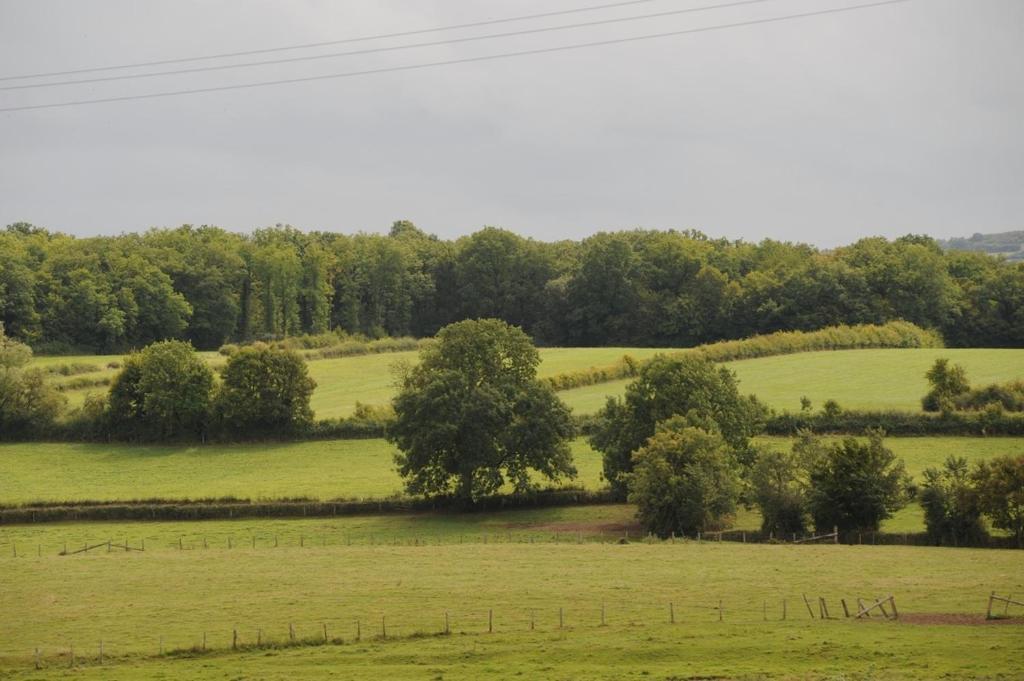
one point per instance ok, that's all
(472, 415)
(162, 392)
(689, 386)
(638, 287)
(684, 480)
(265, 389)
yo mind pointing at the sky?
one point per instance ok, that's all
(887, 120)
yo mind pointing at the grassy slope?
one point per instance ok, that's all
(343, 381)
(324, 469)
(321, 469)
(132, 600)
(857, 379)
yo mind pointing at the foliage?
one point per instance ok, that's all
(684, 480)
(854, 485)
(898, 423)
(891, 335)
(952, 512)
(1007, 396)
(779, 490)
(472, 415)
(265, 390)
(28, 404)
(164, 391)
(632, 288)
(947, 383)
(1000, 486)
(689, 386)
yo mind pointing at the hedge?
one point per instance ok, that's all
(897, 334)
(898, 423)
(212, 509)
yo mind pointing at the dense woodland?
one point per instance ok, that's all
(655, 288)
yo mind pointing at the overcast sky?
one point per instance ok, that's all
(888, 120)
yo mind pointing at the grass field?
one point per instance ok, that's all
(132, 601)
(330, 469)
(343, 381)
(857, 379)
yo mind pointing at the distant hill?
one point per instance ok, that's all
(1009, 244)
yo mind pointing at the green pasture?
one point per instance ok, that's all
(370, 379)
(320, 469)
(327, 469)
(726, 599)
(856, 379)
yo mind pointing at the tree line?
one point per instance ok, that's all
(209, 286)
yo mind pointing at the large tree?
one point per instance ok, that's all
(689, 386)
(684, 480)
(472, 415)
(855, 485)
(161, 392)
(265, 390)
(1000, 488)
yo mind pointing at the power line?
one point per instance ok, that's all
(449, 62)
(393, 48)
(328, 43)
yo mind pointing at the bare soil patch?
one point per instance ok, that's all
(962, 619)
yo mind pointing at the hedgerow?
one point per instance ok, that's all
(898, 334)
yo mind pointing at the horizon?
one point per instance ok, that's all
(882, 120)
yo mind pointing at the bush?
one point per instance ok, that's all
(947, 382)
(684, 480)
(898, 423)
(28, 404)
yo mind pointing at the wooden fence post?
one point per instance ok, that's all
(259, 636)
(101, 651)
(234, 639)
(291, 632)
(846, 611)
(561, 620)
(204, 641)
(38, 666)
(892, 602)
(447, 630)
(808, 604)
(383, 628)
(764, 611)
(988, 614)
(359, 636)
(719, 600)
(602, 613)
(783, 609)
(671, 613)
(325, 631)
(835, 534)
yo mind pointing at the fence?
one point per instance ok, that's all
(391, 627)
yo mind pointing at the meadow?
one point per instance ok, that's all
(343, 381)
(856, 379)
(139, 601)
(329, 469)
